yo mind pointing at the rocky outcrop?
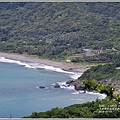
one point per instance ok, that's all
(106, 82)
(41, 87)
(111, 82)
(64, 85)
(56, 85)
(77, 84)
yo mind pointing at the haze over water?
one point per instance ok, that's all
(20, 95)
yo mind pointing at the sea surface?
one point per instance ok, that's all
(20, 94)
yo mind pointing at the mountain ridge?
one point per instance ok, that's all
(63, 29)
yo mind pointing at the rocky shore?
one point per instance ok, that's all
(78, 85)
(65, 66)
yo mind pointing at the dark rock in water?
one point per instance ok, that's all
(41, 87)
(79, 87)
(70, 82)
(77, 84)
(56, 85)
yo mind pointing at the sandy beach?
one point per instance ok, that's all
(63, 65)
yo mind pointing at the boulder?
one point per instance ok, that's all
(70, 82)
(79, 87)
(41, 87)
(56, 85)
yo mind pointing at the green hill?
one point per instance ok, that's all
(98, 109)
(103, 72)
(58, 30)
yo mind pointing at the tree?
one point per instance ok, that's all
(117, 97)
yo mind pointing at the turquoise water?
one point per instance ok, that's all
(20, 95)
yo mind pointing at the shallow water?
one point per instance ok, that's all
(20, 95)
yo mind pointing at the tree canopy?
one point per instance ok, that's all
(56, 30)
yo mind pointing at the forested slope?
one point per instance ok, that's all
(57, 30)
(98, 109)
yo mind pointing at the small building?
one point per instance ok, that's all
(114, 49)
(86, 52)
(98, 52)
(68, 60)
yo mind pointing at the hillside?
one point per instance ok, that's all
(107, 75)
(58, 30)
(102, 72)
(96, 109)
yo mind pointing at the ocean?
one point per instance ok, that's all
(20, 94)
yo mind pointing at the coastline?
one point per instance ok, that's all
(63, 65)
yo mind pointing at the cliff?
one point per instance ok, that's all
(107, 75)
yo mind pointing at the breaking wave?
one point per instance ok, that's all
(100, 96)
(65, 86)
(73, 75)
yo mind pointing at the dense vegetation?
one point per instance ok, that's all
(93, 85)
(102, 72)
(59, 30)
(96, 109)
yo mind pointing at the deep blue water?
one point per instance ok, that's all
(19, 95)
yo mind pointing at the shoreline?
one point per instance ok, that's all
(63, 65)
(66, 85)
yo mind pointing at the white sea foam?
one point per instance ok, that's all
(36, 87)
(73, 75)
(78, 92)
(100, 96)
(65, 86)
(5, 60)
(68, 87)
(76, 75)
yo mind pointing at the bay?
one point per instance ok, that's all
(20, 95)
